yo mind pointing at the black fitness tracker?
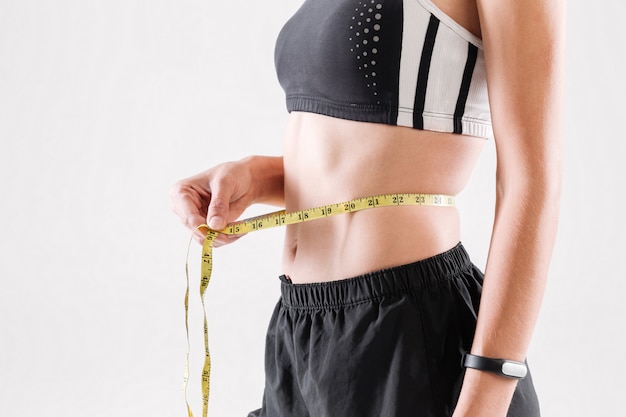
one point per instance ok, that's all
(502, 367)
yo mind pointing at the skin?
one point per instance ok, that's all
(524, 56)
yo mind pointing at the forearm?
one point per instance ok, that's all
(515, 278)
(517, 269)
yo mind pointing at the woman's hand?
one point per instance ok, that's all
(220, 195)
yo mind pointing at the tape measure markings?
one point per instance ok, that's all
(282, 218)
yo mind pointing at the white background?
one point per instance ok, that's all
(104, 104)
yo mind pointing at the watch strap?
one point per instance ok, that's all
(502, 367)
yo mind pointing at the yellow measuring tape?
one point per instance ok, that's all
(281, 218)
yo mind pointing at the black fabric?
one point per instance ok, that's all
(495, 365)
(472, 55)
(422, 77)
(341, 58)
(388, 343)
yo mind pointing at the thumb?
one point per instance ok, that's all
(217, 216)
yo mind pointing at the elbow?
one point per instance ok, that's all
(527, 211)
(539, 177)
(536, 190)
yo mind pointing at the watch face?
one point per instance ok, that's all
(515, 370)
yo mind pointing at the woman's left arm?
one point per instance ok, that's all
(524, 56)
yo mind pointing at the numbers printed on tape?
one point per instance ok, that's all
(276, 219)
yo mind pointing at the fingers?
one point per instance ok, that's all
(225, 240)
(222, 193)
(205, 203)
(218, 212)
(214, 197)
(188, 205)
(221, 240)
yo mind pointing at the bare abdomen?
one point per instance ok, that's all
(331, 160)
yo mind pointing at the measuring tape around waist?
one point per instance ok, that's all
(276, 219)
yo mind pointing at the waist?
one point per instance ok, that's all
(358, 243)
(329, 160)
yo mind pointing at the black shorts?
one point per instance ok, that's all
(388, 343)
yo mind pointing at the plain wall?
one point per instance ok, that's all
(105, 104)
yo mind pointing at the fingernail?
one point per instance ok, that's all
(216, 223)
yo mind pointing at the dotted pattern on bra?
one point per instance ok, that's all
(364, 39)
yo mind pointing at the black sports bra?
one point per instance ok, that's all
(398, 62)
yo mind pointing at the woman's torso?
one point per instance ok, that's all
(329, 160)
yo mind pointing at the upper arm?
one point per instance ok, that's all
(524, 56)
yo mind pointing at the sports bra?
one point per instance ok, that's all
(397, 62)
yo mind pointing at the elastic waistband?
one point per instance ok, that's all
(378, 284)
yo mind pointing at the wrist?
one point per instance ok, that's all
(501, 367)
(484, 394)
(267, 175)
